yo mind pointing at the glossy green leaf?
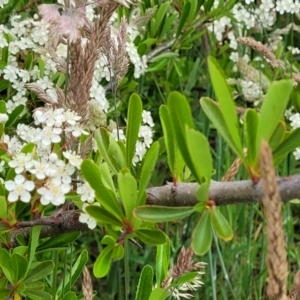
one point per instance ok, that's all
(2, 107)
(162, 262)
(167, 25)
(108, 240)
(115, 153)
(58, 241)
(193, 10)
(175, 160)
(128, 191)
(187, 278)
(3, 210)
(183, 17)
(278, 135)
(35, 285)
(134, 119)
(220, 224)
(199, 151)
(155, 213)
(157, 66)
(19, 266)
(213, 112)
(159, 16)
(76, 270)
(273, 107)
(118, 252)
(102, 139)
(288, 145)
(106, 197)
(102, 263)
(14, 116)
(39, 271)
(151, 236)
(33, 243)
(227, 105)
(29, 148)
(106, 176)
(146, 171)
(159, 294)
(102, 216)
(202, 234)
(251, 121)
(70, 296)
(37, 295)
(144, 287)
(181, 116)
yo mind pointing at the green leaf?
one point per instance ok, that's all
(146, 171)
(202, 234)
(181, 116)
(128, 191)
(19, 266)
(106, 196)
(115, 153)
(144, 287)
(162, 262)
(102, 216)
(33, 242)
(76, 270)
(159, 294)
(200, 156)
(102, 138)
(134, 120)
(159, 16)
(287, 145)
(184, 15)
(58, 241)
(202, 194)
(29, 148)
(2, 107)
(70, 296)
(3, 210)
(118, 252)
(151, 236)
(227, 105)
(278, 135)
(37, 295)
(213, 112)
(170, 143)
(186, 278)
(155, 213)
(251, 122)
(220, 224)
(14, 116)
(103, 261)
(35, 285)
(39, 271)
(273, 107)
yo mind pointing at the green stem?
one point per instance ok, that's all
(54, 274)
(126, 270)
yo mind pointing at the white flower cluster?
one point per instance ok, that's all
(51, 175)
(145, 135)
(294, 118)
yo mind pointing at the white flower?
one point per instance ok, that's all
(76, 130)
(85, 218)
(50, 135)
(54, 192)
(74, 159)
(114, 134)
(3, 118)
(86, 192)
(40, 169)
(147, 118)
(19, 188)
(21, 162)
(146, 133)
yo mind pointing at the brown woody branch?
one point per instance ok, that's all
(181, 194)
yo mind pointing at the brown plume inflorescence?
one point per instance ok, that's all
(276, 252)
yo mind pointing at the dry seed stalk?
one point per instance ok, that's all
(87, 285)
(276, 253)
